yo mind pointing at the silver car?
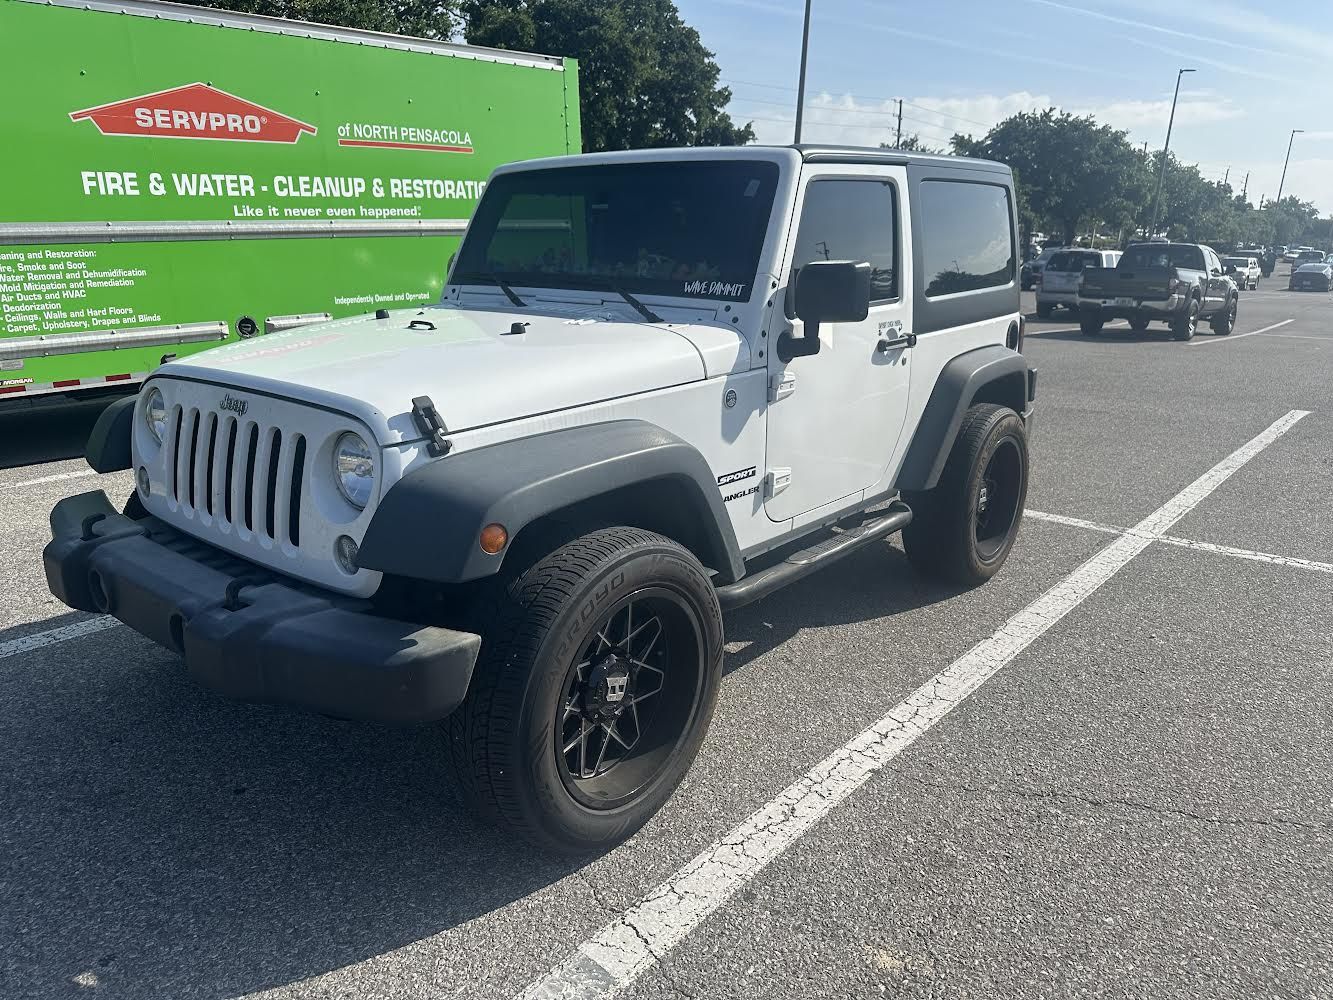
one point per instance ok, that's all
(1057, 284)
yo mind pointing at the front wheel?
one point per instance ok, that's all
(1225, 320)
(1044, 310)
(1138, 323)
(597, 678)
(963, 530)
(1090, 323)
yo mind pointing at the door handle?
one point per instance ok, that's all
(907, 340)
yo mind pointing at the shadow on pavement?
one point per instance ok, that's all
(874, 582)
(159, 842)
(47, 432)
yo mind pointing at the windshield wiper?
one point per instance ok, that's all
(492, 276)
(611, 286)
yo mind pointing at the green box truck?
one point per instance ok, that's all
(176, 177)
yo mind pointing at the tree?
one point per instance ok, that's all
(423, 18)
(913, 144)
(1070, 171)
(645, 78)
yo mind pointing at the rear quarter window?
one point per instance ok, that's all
(967, 237)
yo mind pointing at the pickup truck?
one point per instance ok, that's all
(1178, 283)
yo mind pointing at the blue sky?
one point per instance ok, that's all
(962, 65)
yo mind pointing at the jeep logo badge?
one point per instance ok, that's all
(236, 406)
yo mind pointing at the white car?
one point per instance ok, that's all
(657, 385)
(1245, 270)
(1057, 284)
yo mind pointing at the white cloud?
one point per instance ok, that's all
(847, 119)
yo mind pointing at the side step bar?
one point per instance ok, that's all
(827, 550)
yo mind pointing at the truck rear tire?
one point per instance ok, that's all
(963, 530)
(1225, 320)
(1185, 327)
(1138, 323)
(1090, 322)
(1044, 310)
(597, 679)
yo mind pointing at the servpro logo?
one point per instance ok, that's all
(194, 111)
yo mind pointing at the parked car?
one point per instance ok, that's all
(1316, 276)
(1179, 283)
(1057, 284)
(1030, 270)
(525, 508)
(1245, 270)
(1306, 256)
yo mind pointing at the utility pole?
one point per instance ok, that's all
(1227, 176)
(1161, 176)
(1246, 186)
(898, 142)
(800, 89)
(1283, 182)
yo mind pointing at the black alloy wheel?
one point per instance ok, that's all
(999, 500)
(629, 697)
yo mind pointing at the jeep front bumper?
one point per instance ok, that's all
(249, 633)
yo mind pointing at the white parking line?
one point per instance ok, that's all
(1188, 543)
(59, 477)
(624, 950)
(50, 637)
(1238, 336)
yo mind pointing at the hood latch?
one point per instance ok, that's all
(432, 425)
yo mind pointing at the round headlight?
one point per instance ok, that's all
(354, 469)
(155, 414)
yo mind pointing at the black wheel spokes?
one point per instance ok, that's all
(997, 502)
(594, 742)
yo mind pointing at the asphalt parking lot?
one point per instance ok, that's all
(1106, 773)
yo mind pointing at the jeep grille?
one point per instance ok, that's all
(238, 472)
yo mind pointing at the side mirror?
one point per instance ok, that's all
(827, 291)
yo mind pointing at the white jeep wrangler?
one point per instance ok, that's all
(658, 385)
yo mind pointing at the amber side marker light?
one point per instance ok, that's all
(493, 538)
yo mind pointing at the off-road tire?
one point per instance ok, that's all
(1138, 323)
(1224, 320)
(1044, 310)
(1186, 326)
(1090, 322)
(941, 541)
(502, 739)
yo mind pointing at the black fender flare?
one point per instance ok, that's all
(992, 374)
(427, 525)
(109, 444)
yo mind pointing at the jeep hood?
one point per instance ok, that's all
(474, 369)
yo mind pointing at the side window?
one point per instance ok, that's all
(850, 220)
(968, 238)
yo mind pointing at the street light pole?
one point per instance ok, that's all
(800, 89)
(1283, 182)
(1161, 176)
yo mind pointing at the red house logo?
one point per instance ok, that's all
(194, 111)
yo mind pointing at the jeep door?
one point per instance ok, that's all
(835, 418)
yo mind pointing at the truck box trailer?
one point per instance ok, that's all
(177, 177)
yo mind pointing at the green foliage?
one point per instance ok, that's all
(423, 18)
(645, 78)
(913, 144)
(1071, 172)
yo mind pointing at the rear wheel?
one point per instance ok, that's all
(1138, 323)
(1185, 327)
(1225, 320)
(597, 679)
(963, 530)
(1090, 322)
(1044, 310)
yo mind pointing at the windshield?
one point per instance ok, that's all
(1238, 261)
(692, 228)
(1163, 255)
(1073, 261)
